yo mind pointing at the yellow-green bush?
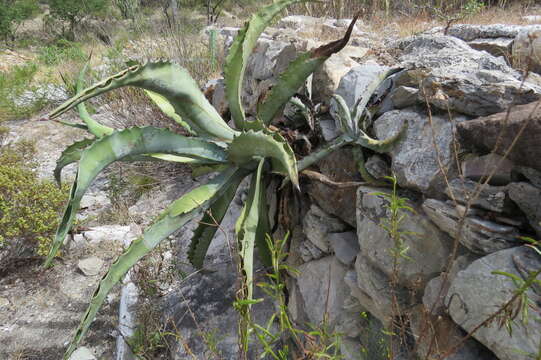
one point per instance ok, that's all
(29, 206)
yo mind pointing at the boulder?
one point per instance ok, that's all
(414, 158)
(420, 236)
(479, 235)
(483, 133)
(527, 49)
(527, 197)
(321, 284)
(476, 293)
(462, 79)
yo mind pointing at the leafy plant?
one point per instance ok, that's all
(29, 207)
(62, 50)
(251, 149)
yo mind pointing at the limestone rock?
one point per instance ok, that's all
(478, 235)
(527, 197)
(317, 226)
(423, 238)
(91, 266)
(469, 32)
(480, 168)
(439, 334)
(476, 293)
(373, 290)
(354, 83)
(493, 198)
(82, 353)
(345, 246)
(462, 79)
(483, 133)
(496, 47)
(339, 166)
(527, 49)
(404, 96)
(326, 78)
(322, 288)
(415, 161)
(377, 167)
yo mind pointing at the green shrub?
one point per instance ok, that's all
(29, 206)
(63, 50)
(12, 13)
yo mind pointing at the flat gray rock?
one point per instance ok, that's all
(91, 266)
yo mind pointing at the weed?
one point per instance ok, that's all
(61, 51)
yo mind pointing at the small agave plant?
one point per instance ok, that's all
(251, 149)
(353, 126)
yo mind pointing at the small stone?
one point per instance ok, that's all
(345, 246)
(377, 166)
(82, 353)
(478, 169)
(90, 266)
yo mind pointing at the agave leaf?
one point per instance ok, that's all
(97, 129)
(297, 73)
(381, 146)
(203, 235)
(198, 171)
(172, 82)
(70, 155)
(263, 227)
(360, 107)
(250, 145)
(319, 154)
(130, 142)
(165, 225)
(237, 58)
(346, 124)
(168, 109)
(247, 229)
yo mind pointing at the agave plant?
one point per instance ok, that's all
(251, 149)
(353, 126)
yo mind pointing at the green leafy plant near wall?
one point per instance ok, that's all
(251, 149)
